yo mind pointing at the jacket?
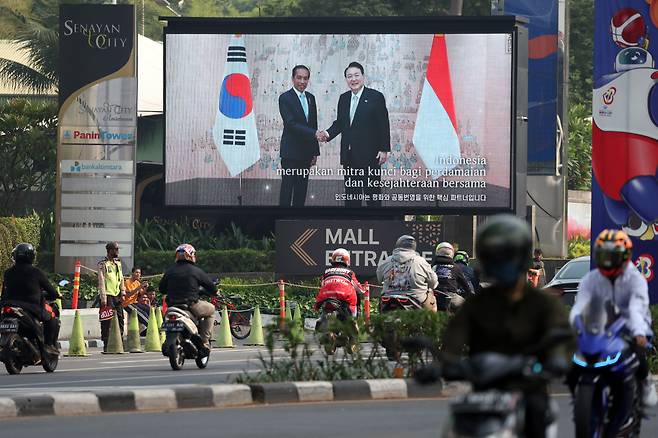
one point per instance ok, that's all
(491, 322)
(23, 285)
(471, 276)
(630, 292)
(181, 283)
(407, 272)
(450, 277)
(341, 284)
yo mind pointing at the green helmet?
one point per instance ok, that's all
(461, 256)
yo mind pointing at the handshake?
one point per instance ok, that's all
(322, 136)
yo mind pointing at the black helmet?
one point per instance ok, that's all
(23, 253)
(504, 249)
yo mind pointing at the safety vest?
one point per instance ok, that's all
(113, 276)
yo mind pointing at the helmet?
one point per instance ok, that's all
(187, 252)
(340, 256)
(461, 257)
(504, 249)
(406, 241)
(444, 249)
(23, 253)
(612, 250)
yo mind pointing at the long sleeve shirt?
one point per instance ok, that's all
(629, 291)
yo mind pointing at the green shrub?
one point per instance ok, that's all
(15, 230)
(213, 260)
(578, 246)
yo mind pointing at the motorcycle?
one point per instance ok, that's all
(334, 334)
(488, 410)
(389, 303)
(607, 395)
(182, 339)
(22, 343)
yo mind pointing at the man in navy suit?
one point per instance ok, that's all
(365, 142)
(299, 145)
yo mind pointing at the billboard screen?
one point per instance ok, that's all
(367, 120)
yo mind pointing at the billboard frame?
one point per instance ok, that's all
(506, 24)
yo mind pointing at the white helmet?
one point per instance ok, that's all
(340, 256)
(444, 249)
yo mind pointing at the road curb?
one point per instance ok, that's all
(211, 396)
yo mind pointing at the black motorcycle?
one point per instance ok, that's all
(182, 338)
(22, 343)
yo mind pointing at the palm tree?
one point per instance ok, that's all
(37, 35)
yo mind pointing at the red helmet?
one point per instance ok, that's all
(186, 251)
(340, 256)
(612, 250)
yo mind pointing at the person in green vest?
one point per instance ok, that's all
(111, 290)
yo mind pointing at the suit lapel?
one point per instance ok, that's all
(297, 102)
(361, 105)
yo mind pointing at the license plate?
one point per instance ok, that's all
(10, 326)
(173, 326)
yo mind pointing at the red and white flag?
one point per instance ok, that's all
(435, 136)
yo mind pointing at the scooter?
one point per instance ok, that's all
(607, 395)
(331, 326)
(22, 343)
(182, 339)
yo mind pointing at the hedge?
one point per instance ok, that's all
(15, 230)
(213, 260)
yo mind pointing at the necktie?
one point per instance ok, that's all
(355, 102)
(302, 97)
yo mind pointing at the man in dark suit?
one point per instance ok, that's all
(365, 143)
(299, 145)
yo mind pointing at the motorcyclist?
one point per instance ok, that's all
(616, 278)
(405, 271)
(24, 286)
(452, 281)
(461, 259)
(181, 285)
(510, 317)
(340, 282)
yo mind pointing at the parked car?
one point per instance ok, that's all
(566, 281)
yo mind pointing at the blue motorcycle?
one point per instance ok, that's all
(607, 397)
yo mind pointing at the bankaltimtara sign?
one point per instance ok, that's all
(305, 247)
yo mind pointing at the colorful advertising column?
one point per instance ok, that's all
(625, 127)
(97, 133)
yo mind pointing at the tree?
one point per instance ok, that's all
(579, 153)
(28, 137)
(581, 47)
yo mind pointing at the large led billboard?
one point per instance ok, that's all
(293, 114)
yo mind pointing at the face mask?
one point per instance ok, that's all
(505, 274)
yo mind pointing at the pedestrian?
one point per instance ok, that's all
(538, 264)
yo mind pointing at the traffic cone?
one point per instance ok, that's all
(288, 312)
(224, 340)
(158, 319)
(114, 341)
(77, 346)
(134, 343)
(256, 335)
(153, 340)
(297, 315)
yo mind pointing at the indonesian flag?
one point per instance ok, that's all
(435, 135)
(234, 131)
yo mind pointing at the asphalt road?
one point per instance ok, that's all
(372, 419)
(103, 371)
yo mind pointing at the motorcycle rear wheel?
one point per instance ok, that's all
(583, 407)
(176, 356)
(11, 364)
